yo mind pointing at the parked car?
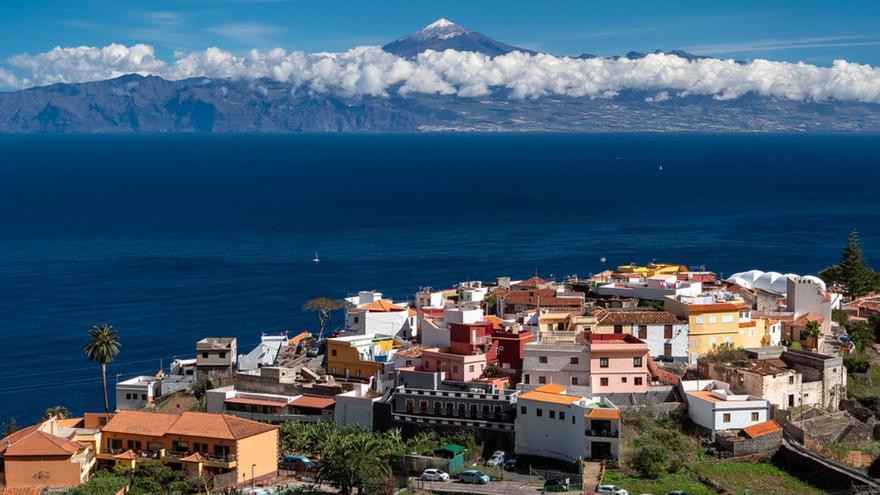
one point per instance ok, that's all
(432, 474)
(296, 463)
(474, 476)
(499, 453)
(510, 464)
(611, 490)
(556, 486)
(677, 492)
(495, 461)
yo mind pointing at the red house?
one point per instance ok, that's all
(471, 338)
(511, 347)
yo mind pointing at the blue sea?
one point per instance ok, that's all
(173, 238)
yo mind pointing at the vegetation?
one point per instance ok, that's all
(492, 371)
(59, 412)
(147, 478)
(852, 274)
(725, 353)
(646, 303)
(861, 333)
(811, 333)
(325, 308)
(686, 481)
(746, 477)
(8, 427)
(491, 304)
(840, 316)
(857, 362)
(102, 347)
(650, 460)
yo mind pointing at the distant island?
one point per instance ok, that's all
(518, 93)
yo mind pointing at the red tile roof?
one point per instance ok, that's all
(543, 297)
(196, 457)
(636, 317)
(30, 490)
(602, 413)
(195, 424)
(40, 443)
(313, 402)
(127, 455)
(761, 429)
(381, 306)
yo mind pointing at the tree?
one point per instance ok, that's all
(650, 460)
(102, 347)
(325, 308)
(59, 412)
(852, 274)
(725, 353)
(8, 427)
(492, 371)
(811, 333)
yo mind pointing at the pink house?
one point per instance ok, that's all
(618, 364)
(459, 367)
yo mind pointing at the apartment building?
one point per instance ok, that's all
(203, 442)
(712, 405)
(216, 358)
(665, 334)
(618, 364)
(566, 365)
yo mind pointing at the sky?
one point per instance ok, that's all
(808, 31)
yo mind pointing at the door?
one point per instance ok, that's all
(600, 450)
(667, 349)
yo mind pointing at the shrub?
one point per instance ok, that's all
(857, 362)
(650, 461)
(725, 353)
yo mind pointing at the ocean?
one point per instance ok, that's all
(174, 238)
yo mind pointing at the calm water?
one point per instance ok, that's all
(174, 238)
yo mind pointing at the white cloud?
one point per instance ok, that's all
(370, 71)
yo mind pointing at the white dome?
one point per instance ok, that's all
(747, 279)
(815, 279)
(765, 282)
(780, 285)
(739, 281)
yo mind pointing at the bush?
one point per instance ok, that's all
(650, 461)
(796, 346)
(725, 353)
(857, 362)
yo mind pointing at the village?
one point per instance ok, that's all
(653, 378)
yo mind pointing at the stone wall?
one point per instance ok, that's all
(741, 446)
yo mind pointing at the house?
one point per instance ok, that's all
(618, 364)
(362, 357)
(712, 405)
(434, 330)
(510, 351)
(553, 325)
(355, 407)
(427, 399)
(264, 354)
(138, 392)
(552, 423)
(515, 301)
(200, 442)
(408, 358)
(472, 291)
(459, 367)
(274, 408)
(665, 334)
(216, 358)
(55, 453)
(566, 365)
(181, 374)
(381, 316)
(716, 318)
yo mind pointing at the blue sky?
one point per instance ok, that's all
(810, 31)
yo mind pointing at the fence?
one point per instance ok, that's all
(539, 476)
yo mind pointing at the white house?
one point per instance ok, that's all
(435, 333)
(381, 317)
(665, 334)
(567, 365)
(552, 423)
(264, 353)
(355, 407)
(137, 393)
(472, 292)
(713, 405)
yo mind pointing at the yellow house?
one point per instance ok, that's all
(358, 356)
(652, 269)
(712, 322)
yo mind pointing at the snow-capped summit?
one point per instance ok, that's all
(444, 34)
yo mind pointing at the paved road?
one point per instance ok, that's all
(493, 488)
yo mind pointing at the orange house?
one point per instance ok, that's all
(199, 442)
(48, 454)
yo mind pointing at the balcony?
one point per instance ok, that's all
(226, 461)
(602, 433)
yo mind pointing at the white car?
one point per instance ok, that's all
(611, 490)
(434, 475)
(495, 461)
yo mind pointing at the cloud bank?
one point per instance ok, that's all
(371, 71)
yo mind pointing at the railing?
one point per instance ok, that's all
(602, 433)
(179, 454)
(146, 454)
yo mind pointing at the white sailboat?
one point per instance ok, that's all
(316, 259)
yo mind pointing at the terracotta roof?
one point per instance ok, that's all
(551, 388)
(494, 320)
(313, 402)
(761, 429)
(546, 297)
(40, 443)
(413, 352)
(705, 395)
(299, 338)
(637, 317)
(602, 413)
(16, 435)
(127, 455)
(195, 457)
(381, 306)
(532, 282)
(194, 424)
(255, 402)
(804, 319)
(549, 397)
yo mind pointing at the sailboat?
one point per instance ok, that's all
(316, 259)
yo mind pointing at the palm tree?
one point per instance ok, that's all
(102, 348)
(59, 412)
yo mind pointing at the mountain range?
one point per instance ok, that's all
(151, 104)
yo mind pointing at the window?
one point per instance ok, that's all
(200, 447)
(408, 363)
(178, 446)
(727, 319)
(643, 331)
(471, 368)
(539, 412)
(221, 450)
(667, 332)
(542, 359)
(357, 372)
(755, 416)
(574, 380)
(618, 328)
(134, 445)
(143, 396)
(461, 409)
(486, 410)
(455, 368)
(562, 415)
(573, 360)
(637, 362)
(638, 380)
(791, 400)
(204, 355)
(410, 406)
(114, 444)
(726, 418)
(552, 414)
(526, 379)
(603, 382)
(450, 408)
(542, 380)
(474, 410)
(334, 370)
(333, 352)
(603, 362)
(698, 320)
(623, 379)
(497, 411)
(222, 355)
(713, 319)
(667, 349)
(438, 408)
(791, 380)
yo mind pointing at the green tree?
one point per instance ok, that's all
(725, 353)
(840, 316)
(852, 274)
(59, 412)
(325, 308)
(812, 332)
(861, 333)
(650, 460)
(102, 347)
(8, 427)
